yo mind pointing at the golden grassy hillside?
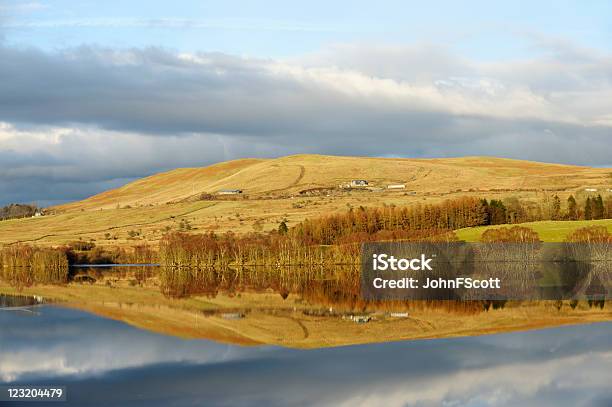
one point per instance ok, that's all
(169, 186)
(142, 211)
(292, 174)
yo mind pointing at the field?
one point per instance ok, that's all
(549, 231)
(289, 188)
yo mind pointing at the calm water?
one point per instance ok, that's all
(107, 363)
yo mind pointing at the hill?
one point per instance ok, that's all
(290, 188)
(311, 174)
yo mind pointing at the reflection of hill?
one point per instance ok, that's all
(267, 318)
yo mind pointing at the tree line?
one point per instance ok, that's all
(449, 215)
(15, 211)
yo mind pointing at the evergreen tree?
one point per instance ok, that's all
(588, 209)
(282, 228)
(497, 212)
(486, 210)
(598, 207)
(556, 208)
(572, 208)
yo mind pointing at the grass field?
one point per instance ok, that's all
(144, 210)
(549, 231)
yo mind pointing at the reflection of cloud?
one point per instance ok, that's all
(558, 367)
(16, 365)
(84, 345)
(502, 385)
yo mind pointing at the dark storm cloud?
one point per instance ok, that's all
(150, 91)
(90, 116)
(159, 92)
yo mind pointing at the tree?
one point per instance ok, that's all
(572, 208)
(555, 208)
(598, 208)
(598, 234)
(515, 234)
(282, 228)
(487, 211)
(588, 209)
(497, 212)
(13, 211)
(515, 212)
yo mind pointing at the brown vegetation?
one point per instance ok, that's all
(515, 234)
(595, 234)
(23, 266)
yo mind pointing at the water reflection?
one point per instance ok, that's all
(105, 362)
(15, 302)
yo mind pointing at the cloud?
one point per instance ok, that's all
(98, 105)
(22, 7)
(54, 164)
(168, 23)
(567, 366)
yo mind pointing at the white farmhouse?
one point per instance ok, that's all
(229, 192)
(359, 183)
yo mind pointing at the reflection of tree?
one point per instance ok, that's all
(525, 253)
(588, 251)
(517, 280)
(595, 282)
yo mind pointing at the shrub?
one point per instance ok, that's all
(590, 234)
(81, 245)
(515, 234)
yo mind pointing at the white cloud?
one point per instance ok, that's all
(22, 7)
(499, 385)
(235, 24)
(144, 110)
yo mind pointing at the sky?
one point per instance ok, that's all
(96, 94)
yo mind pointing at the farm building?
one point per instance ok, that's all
(360, 319)
(396, 186)
(591, 189)
(359, 183)
(229, 192)
(232, 315)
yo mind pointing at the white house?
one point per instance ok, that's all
(229, 192)
(396, 186)
(359, 183)
(591, 189)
